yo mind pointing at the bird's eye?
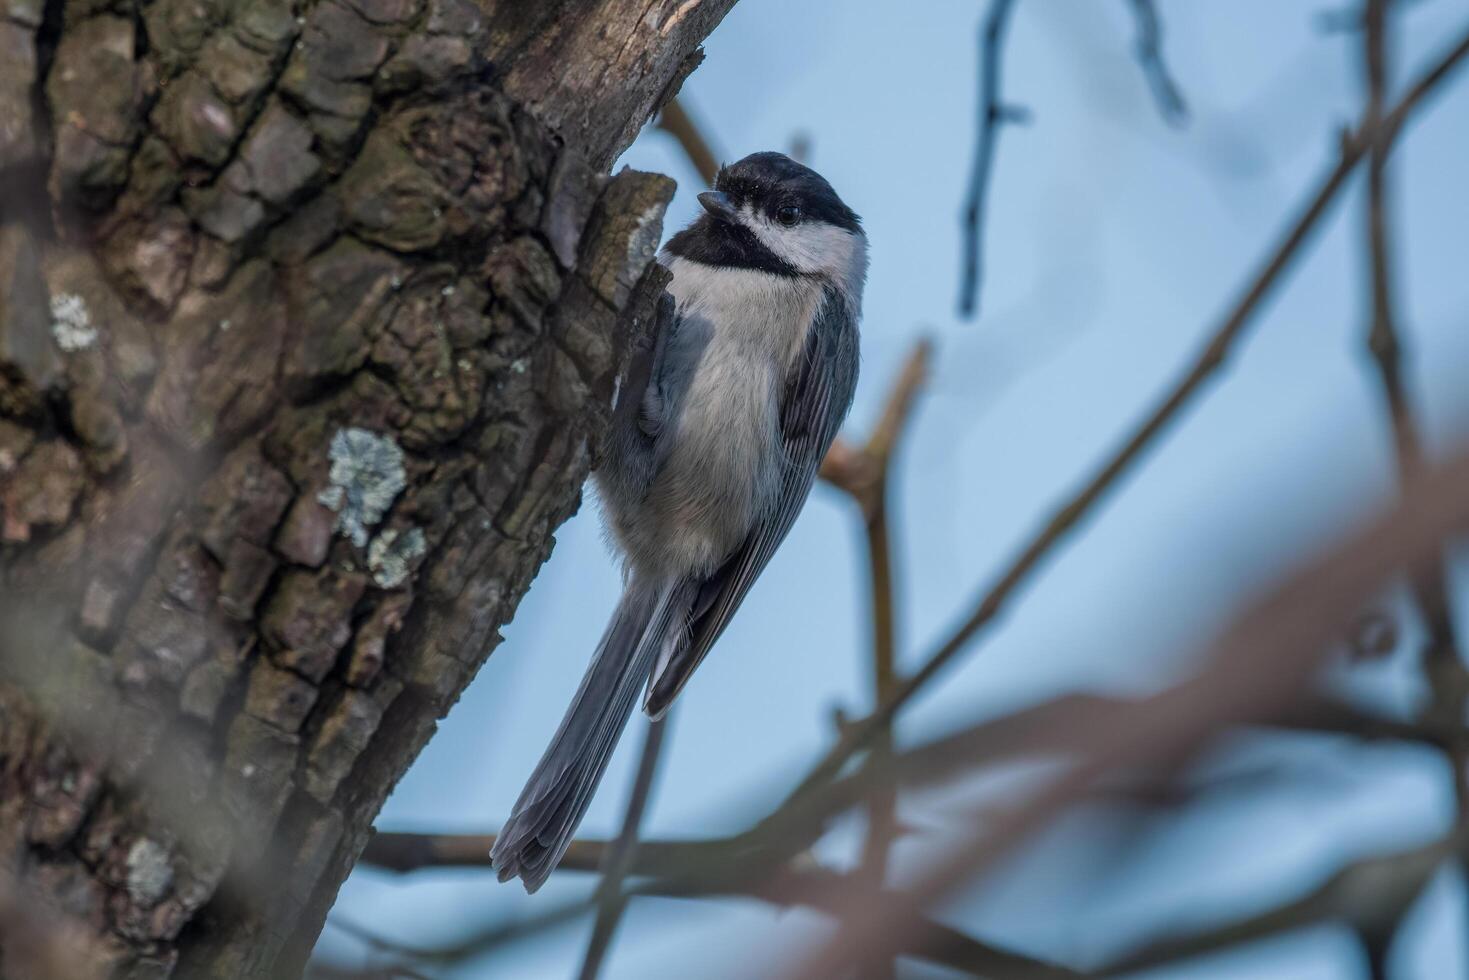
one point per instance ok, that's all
(788, 214)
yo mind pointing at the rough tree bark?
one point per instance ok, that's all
(311, 319)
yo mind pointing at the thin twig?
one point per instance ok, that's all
(1149, 49)
(992, 115)
(1037, 731)
(620, 856)
(1210, 359)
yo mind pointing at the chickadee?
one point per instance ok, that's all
(747, 391)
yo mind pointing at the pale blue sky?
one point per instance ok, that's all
(1114, 245)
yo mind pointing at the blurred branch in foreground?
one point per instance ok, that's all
(1256, 671)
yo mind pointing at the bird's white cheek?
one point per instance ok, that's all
(811, 247)
(827, 248)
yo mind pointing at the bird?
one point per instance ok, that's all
(750, 381)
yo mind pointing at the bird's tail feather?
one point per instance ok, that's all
(558, 792)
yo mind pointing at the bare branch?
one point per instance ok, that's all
(1043, 731)
(1329, 716)
(992, 115)
(1149, 47)
(1383, 340)
(675, 121)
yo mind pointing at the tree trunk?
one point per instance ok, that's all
(312, 316)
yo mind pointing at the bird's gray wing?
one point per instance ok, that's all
(813, 406)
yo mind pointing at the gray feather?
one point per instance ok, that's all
(557, 793)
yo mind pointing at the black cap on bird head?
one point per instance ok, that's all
(766, 212)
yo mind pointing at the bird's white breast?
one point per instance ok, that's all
(741, 331)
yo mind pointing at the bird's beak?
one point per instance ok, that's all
(718, 204)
